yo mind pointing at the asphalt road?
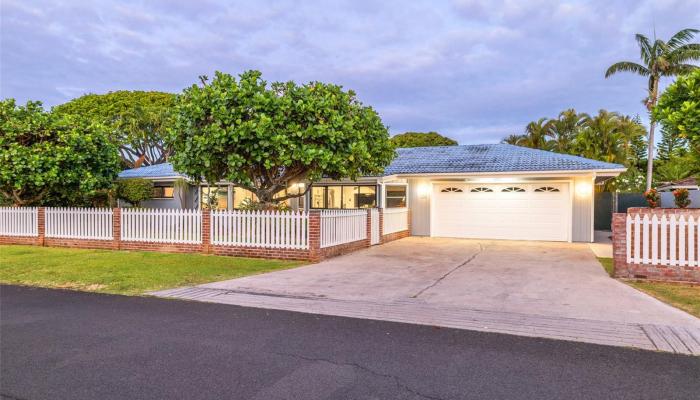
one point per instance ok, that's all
(69, 345)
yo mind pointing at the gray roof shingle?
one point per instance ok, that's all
(487, 158)
(449, 159)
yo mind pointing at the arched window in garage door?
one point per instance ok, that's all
(546, 189)
(513, 189)
(481, 190)
(451, 190)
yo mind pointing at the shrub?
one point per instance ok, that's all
(252, 205)
(680, 196)
(134, 191)
(653, 198)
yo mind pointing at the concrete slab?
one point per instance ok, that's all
(602, 245)
(534, 278)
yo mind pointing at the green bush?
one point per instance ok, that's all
(134, 191)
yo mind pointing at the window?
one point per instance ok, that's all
(214, 197)
(513, 189)
(546, 189)
(452, 190)
(344, 196)
(240, 195)
(395, 196)
(163, 191)
(481, 190)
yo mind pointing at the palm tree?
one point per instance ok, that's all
(564, 129)
(659, 59)
(600, 138)
(632, 133)
(536, 133)
(513, 139)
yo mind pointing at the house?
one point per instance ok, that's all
(491, 191)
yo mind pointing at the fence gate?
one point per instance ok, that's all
(375, 227)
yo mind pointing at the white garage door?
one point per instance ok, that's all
(502, 211)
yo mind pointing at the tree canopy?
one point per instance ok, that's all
(138, 122)
(421, 139)
(659, 59)
(46, 156)
(264, 137)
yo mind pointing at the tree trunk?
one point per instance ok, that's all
(652, 124)
(650, 154)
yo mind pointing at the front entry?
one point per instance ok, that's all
(514, 211)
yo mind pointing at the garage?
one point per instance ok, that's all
(514, 211)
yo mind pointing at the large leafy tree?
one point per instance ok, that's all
(138, 122)
(421, 139)
(679, 113)
(264, 137)
(659, 59)
(46, 156)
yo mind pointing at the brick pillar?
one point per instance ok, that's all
(368, 229)
(315, 236)
(381, 225)
(206, 231)
(408, 221)
(619, 239)
(116, 228)
(41, 228)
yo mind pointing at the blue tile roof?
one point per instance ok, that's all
(164, 170)
(449, 159)
(487, 158)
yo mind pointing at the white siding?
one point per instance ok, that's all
(582, 213)
(419, 203)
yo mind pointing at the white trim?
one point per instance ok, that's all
(543, 174)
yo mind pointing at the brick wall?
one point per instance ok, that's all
(314, 253)
(623, 269)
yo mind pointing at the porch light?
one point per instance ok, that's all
(584, 189)
(423, 190)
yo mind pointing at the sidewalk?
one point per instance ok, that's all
(683, 340)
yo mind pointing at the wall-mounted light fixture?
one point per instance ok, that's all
(584, 189)
(423, 190)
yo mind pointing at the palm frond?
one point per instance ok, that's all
(682, 37)
(644, 48)
(685, 54)
(627, 66)
(681, 69)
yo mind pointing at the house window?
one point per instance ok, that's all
(546, 189)
(241, 195)
(481, 190)
(344, 196)
(513, 189)
(163, 191)
(451, 190)
(214, 197)
(395, 196)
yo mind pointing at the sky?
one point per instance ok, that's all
(474, 70)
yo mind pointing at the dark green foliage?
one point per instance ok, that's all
(138, 122)
(45, 156)
(134, 191)
(421, 139)
(263, 137)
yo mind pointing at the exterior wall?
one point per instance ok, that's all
(649, 271)
(582, 211)
(174, 203)
(419, 206)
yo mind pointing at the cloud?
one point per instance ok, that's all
(475, 70)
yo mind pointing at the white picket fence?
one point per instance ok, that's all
(161, 225)
(79, 223)
(395, 220)
(667, 240)
(16, 221)
(342, 226)
(273, 229)
(374, 230)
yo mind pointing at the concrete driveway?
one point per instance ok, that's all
(536, 278)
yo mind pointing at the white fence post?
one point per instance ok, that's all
(271, 229)
(676, 245)
(395, 220)
(342, 226)
(161, 225)
(79, 223)
(19, 221)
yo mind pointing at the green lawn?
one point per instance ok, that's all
(122, 272)
(683, 296)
